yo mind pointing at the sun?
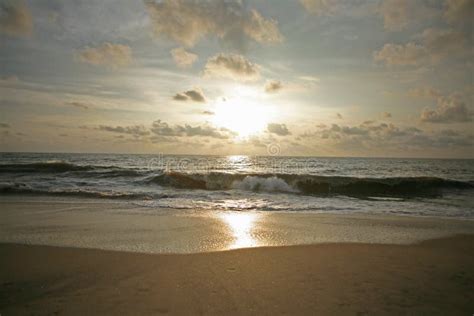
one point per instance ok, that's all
(242, 116)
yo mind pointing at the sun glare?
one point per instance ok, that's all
(241, 226)
(241, 116)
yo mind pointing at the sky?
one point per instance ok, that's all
(358, 78)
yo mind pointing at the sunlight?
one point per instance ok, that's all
(241, 225)
(241, 116)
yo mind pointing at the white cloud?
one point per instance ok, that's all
(107, 54)
(451, 109)
(436, 45)
(187, 22)
(398, 55)
(183, 58)
(232, 66)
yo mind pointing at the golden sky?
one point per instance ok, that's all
(313, 77)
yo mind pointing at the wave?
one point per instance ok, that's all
(389, 187)
(312, 185)
(20, 188)
(66, 167)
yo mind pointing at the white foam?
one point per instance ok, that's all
(272, 184)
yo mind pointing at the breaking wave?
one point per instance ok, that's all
(388, 187)
(311, 185)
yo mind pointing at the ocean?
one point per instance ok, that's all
(416, 187)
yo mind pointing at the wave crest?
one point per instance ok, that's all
(311, 185)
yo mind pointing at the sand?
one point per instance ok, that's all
(83, 256)
(123, 226)
(433, 277)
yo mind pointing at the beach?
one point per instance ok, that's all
(433, 277)
(69, 256)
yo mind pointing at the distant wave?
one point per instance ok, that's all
(48, 166)
(19, 188)
(311, 185)
(63, 167)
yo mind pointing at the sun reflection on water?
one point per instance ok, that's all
(241, 226)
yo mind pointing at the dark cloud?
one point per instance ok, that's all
(232, 66)
(187, 22)
(459, 12)
(386, 136)
(278, 129)
(195, 95)
(79, 105)
(161, 128)
(4, 125)
(368, 130)
(135, 130)
(15, 18)
(272, 86)
(207, 113)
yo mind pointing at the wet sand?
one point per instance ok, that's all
(122, 226)
(433, 277)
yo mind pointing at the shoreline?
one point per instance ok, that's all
(129, 227)
(430, 277)
(123, 226)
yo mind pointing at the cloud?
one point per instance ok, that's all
(367, 131)
(424, 92)
(232, 66)
(278, 129)
(195, 95)
(272, 86)
(398, 55)
(79, 105)
(135, 130)
(339, 116)
(459, 12)
(107, 54)
(384, 138)
(443, 43)
(396, 13)
(207, 113)
(399, 14)
(161, 128)
(182, 58)
(387, 115)
(451, 109)
(4, 125)
(435, 46)
(15, 18)
(187, 22)
(321, 7)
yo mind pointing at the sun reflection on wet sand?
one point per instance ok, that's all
(241, 226)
